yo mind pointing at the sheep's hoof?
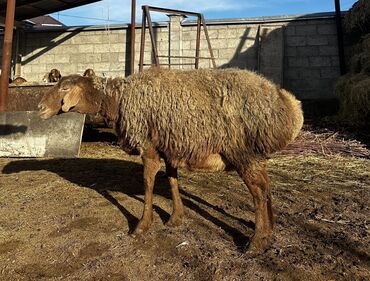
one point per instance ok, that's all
(174, 221)
(141, 227)
(258, 244)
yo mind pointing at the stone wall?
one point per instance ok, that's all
(299, 52)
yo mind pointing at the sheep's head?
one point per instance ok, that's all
(71, 93)
(54, 75)
(89, 73)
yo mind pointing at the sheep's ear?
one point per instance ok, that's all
(72, 99)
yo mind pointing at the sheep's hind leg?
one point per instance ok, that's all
(258, 183)
(152, 164)
(178, 208)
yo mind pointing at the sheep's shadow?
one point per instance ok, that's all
(107, 175)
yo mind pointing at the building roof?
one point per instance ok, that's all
(26, 9)
(44, 21)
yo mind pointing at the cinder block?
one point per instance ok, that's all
(330, 72)
(298, 62)
(61, 59)
(290, 30)
(291, 51)
(327, 29)
(77, 58)
(213, 33)
(308, 51)
(93, 58)
(116, 48)
(310, 73)
(86, 48)
(328, 50)
(320, 61)
(109, 57)
(94, 39)
(101, 48)
(227, 53)
(305, 30)
(294, 41)
(334, 60)
(46, 59)
(185, 45)
(318, 40)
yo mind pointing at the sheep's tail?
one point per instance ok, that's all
(295, 107)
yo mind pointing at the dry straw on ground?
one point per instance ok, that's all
(327, 144)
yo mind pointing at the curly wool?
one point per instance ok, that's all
(189, 115)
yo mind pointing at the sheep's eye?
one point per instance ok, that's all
(64, 89)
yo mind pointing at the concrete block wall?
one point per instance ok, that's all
(309, 65)
(311, 58)
(73, 51)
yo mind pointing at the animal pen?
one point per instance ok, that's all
(71, 218)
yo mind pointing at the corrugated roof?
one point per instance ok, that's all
(26, 9)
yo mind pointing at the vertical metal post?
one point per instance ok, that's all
(142, 43)
(338, 18)
(197, 44)
(132, 49)
(151, 31)
(208, 42)
(7, 52)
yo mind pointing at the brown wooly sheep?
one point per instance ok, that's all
(18, 81)
(89, 73)
(52, 76)
(198, 119)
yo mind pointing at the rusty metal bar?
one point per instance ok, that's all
(142, 43)
(132, 49)
(145, 64)
(173, 11)
(146, 16)
(197, 43)
(7, 52)
(208, 42)
(184, 57)
(151, 32)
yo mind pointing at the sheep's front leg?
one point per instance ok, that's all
(178, 208)
(152, 164)
(258, 183)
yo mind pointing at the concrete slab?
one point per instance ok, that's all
(25, 134)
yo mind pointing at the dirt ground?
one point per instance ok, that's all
(69, 219)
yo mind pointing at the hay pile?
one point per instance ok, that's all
(354, 94)
(353, 89)
(357, 19)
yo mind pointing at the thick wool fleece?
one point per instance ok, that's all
(189, 115)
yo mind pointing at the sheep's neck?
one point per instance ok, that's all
(109, 109)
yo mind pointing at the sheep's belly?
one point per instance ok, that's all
(213, 163)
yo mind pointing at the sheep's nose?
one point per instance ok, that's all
(40, 106)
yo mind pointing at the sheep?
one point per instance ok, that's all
(52, 76)
(89, 73)
(197, 119)
(18, 81)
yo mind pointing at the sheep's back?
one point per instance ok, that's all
(191, 114)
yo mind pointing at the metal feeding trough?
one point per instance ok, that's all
(24, 134)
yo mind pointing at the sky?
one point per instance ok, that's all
(119, 11)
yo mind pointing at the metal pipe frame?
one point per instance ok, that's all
(132, 46)
(146, 18)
